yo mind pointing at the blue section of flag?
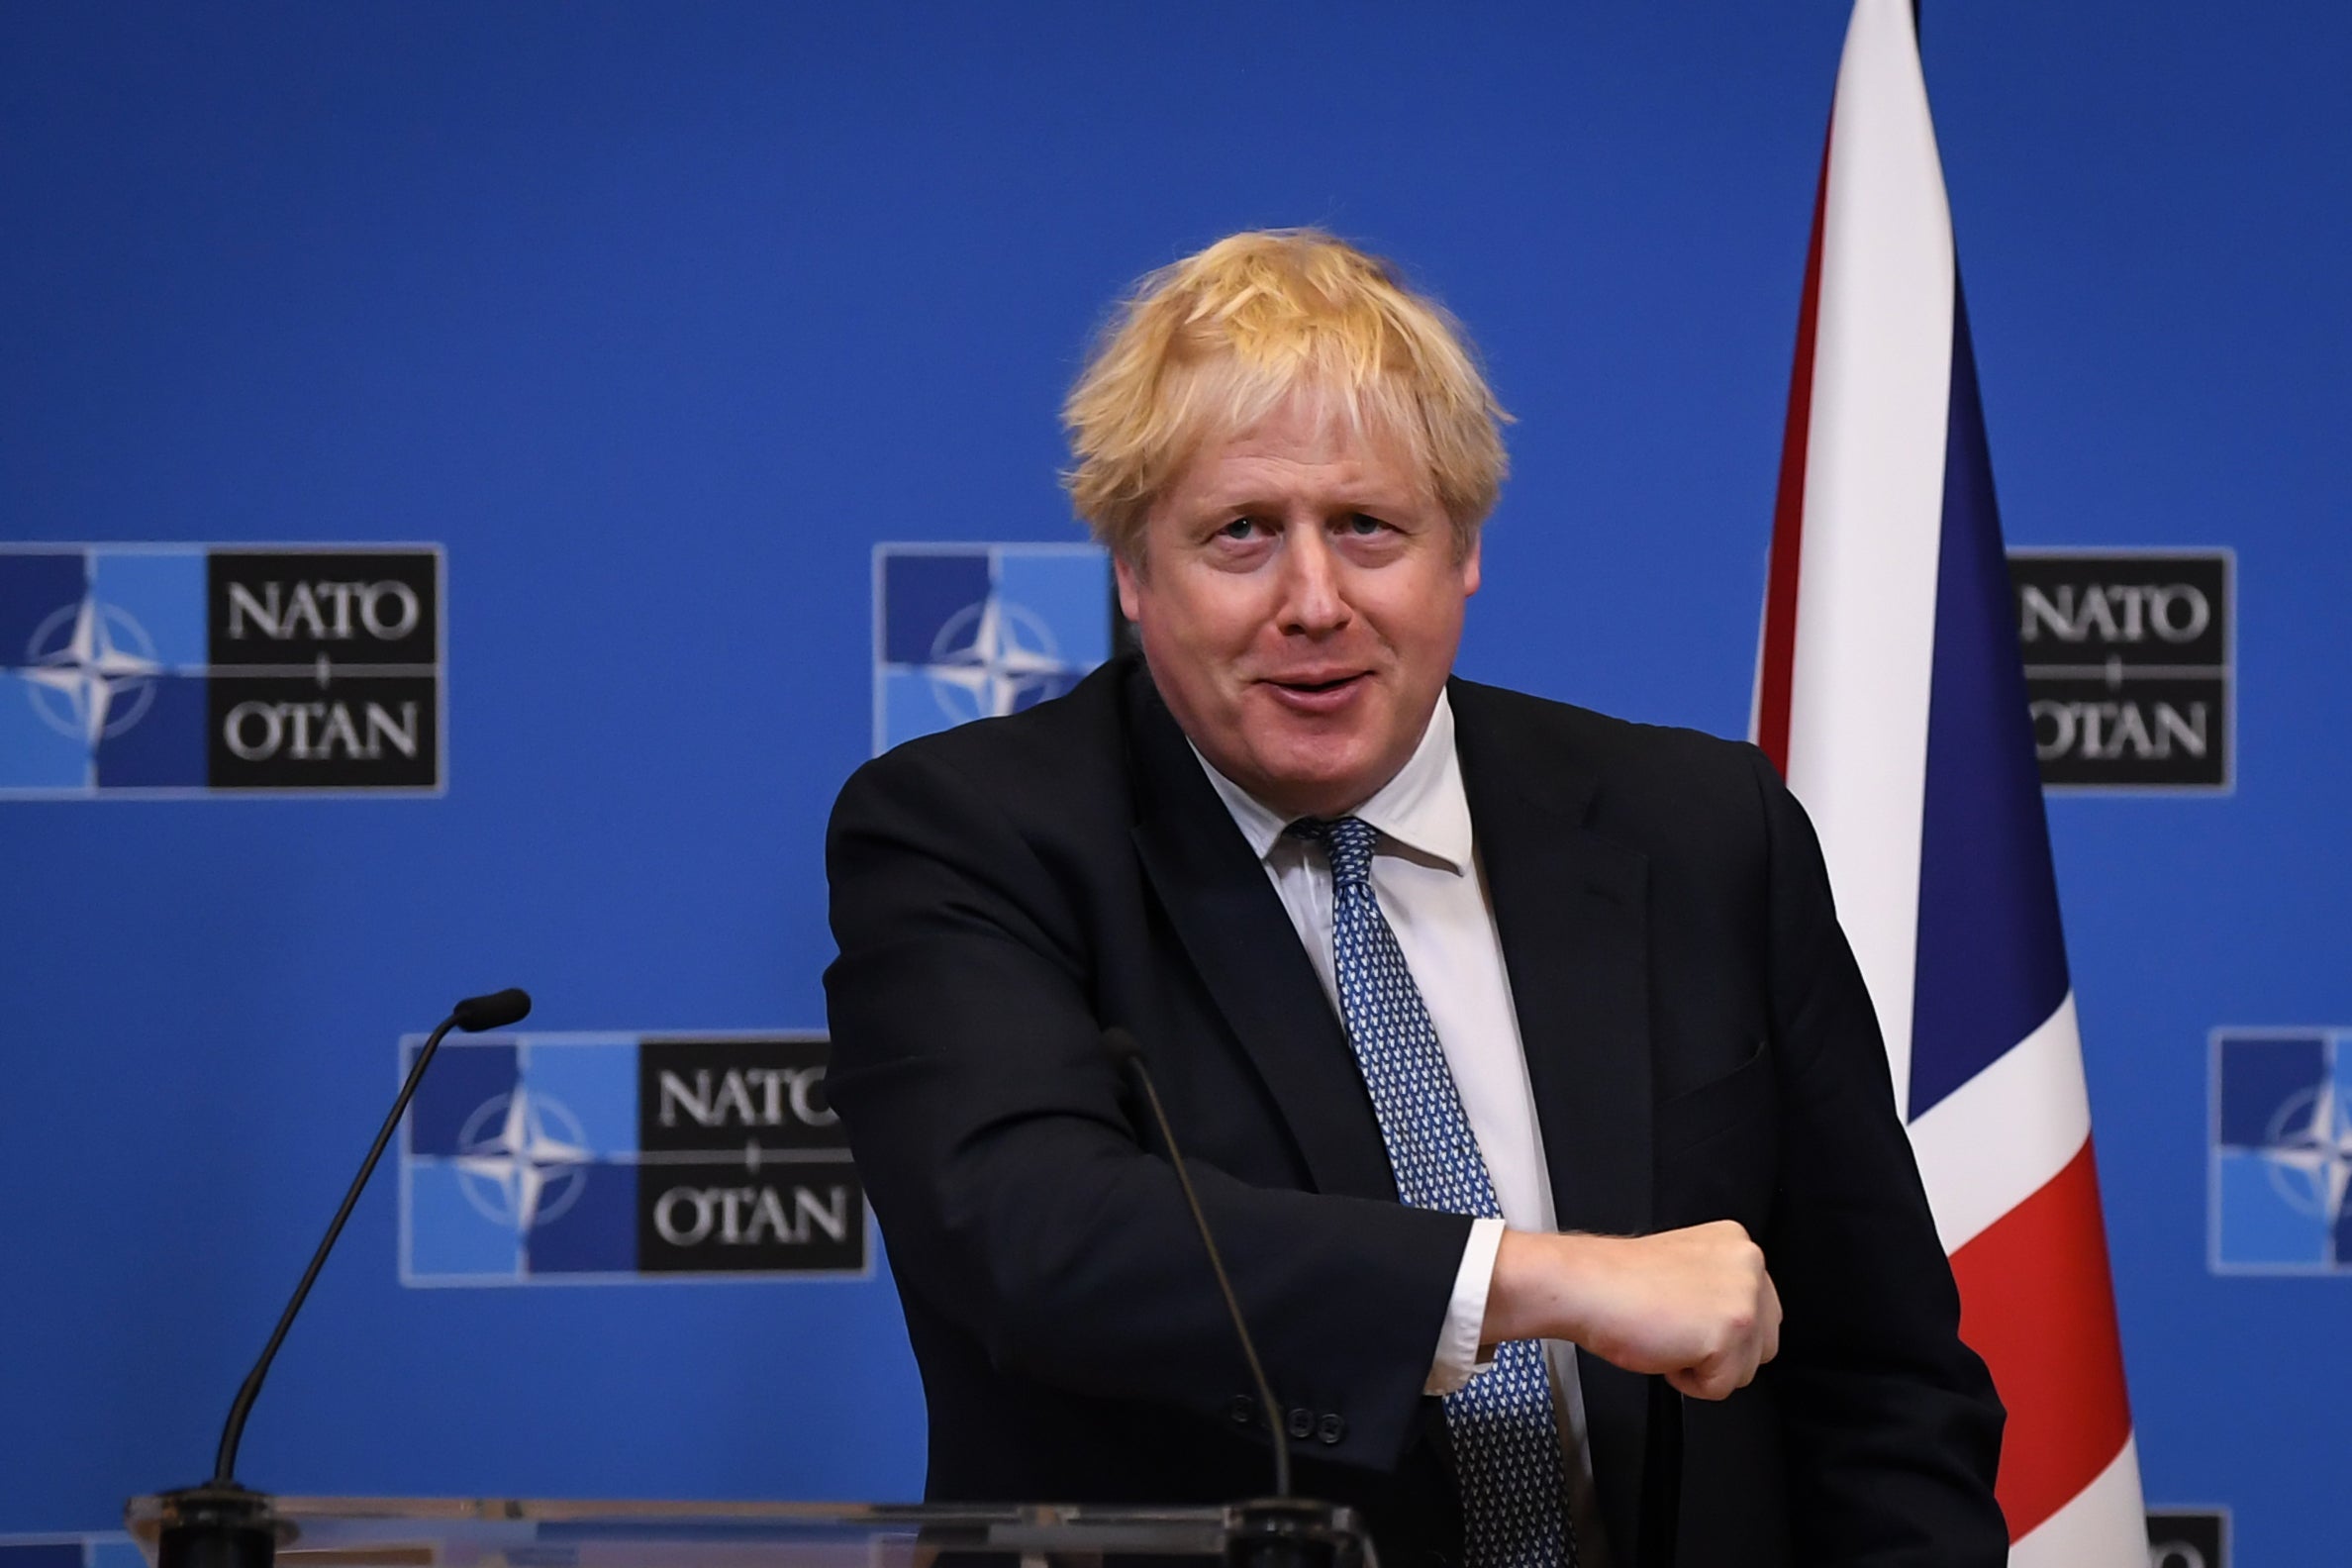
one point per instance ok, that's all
(1991, 957)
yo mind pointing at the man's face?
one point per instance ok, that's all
(1300, 603)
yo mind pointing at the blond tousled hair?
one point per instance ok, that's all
(1208, 347)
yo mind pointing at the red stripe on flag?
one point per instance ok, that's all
(2037, 1303)
(1788, 512)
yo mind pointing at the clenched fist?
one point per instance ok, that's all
(1695, 1305)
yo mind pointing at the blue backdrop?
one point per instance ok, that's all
(658, 319)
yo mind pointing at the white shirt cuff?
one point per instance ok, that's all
(1457, 1343)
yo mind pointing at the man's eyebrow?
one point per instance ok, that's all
(1367, 497)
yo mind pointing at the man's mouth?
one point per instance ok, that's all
(1317, 690)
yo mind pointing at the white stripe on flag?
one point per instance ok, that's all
(2103, 1525)
(1874, 506)
(1998, 1140)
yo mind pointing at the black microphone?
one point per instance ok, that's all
(495, 1010)
(1129, 1054)
(221, 1524)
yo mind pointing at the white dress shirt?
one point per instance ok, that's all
(1426, 877)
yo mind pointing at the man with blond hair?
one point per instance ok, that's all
(1525, 1076)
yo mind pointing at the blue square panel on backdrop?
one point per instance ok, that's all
(50, 1553)
(163, 592)
(35, 586)
(965, 632)
(2282, 1151)
(94, 1549)
(449, 1234)
(166, 748)
(594, 1230)
(595, 1081)
(41, 749)
(466, 1077)
(922, 589)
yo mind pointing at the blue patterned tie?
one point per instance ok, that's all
(1506, 1444)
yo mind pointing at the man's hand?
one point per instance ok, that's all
(1696, 1304)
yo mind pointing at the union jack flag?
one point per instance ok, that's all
(1890, 693)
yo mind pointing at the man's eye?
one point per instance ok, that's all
(1241, 527)
(1364, 523)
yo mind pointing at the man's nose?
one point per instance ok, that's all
(1314, 600)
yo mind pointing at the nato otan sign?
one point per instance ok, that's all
(571, 1159)
(178, 670)
(2128, 667)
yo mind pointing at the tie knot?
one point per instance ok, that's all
(1346, 841)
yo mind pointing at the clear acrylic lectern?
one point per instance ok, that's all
(461, 1533)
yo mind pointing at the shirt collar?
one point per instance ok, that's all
(1423, 810)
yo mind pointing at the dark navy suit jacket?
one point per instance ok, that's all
(1699, 1046)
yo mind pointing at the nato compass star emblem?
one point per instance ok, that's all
(2282, 1151)
(966, 631)
(91, 669)
(2310, 1152)
(994, 658)
(522, 1159)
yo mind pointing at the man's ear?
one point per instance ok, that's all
(1129, 576)
(1469, 567)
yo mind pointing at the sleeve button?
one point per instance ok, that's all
(1330, 1428)
(1302, 1423)
(1242, 1411)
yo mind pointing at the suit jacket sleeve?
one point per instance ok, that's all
(1893, 1427)
(1003, 1157)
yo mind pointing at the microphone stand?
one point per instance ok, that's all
(1282, 1530)
(221, 1523)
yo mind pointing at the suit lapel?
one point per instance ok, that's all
(1234, 929)
(1571, 908)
